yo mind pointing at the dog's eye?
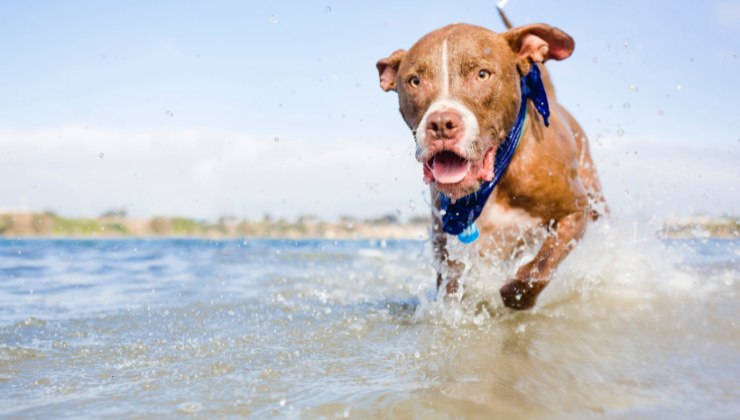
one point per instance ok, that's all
(484, 74)
(414, 81)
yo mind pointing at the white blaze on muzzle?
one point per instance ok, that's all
(444, 102)
(469, 127)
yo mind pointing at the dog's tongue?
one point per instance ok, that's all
(449, 168)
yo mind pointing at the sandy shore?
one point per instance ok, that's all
(15, 225)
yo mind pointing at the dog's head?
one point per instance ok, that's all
(459, 92)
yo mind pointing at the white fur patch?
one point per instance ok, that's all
(507, 218)
(470, 124)
(444, 102)
(445, 72)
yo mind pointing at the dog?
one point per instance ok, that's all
(461, 91)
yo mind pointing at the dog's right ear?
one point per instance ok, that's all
(388, 70)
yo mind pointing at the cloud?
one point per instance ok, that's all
(207, 173)
(78, 169)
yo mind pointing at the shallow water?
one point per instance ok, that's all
(629, 328)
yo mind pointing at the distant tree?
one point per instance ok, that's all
(228, 220)
(420, 220)
(113, 213)
(307, 219)
(386, 219)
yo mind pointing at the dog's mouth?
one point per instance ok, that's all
(456, 175)
(447, 167)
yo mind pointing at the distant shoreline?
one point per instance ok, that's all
(49, 226)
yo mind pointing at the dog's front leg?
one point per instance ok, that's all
(521, 292)
(448, 271)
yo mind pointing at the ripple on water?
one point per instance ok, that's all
(352, 329)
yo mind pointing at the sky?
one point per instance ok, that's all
(243, 108)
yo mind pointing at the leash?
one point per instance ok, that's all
(459, 218)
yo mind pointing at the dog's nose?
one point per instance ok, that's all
(444, 125)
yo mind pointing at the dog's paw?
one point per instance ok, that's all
(521, 294)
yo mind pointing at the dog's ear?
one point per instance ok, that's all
(388, 70)
(540, 42)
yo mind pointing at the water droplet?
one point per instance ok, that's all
(660, 112)
(634, 88)
(417, 354)
(412, 205)
(274, 19)
(679, 87)
(282, 402)
(101, 155)
(190, 407)
(327, 9)
(626, 106)
(620, 132)
(595, 60)
(276, 139)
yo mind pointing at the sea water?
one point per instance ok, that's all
(630, 326)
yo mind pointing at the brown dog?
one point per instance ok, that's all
(459, 92)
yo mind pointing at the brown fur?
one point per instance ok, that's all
(551, 177)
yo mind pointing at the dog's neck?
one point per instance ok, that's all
(458, 218)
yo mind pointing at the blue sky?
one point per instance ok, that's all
(175, 107)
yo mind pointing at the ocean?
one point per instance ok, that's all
(631, 326)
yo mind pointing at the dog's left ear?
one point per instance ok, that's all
(540, 42)
(388, 70)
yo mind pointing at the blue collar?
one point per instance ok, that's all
(458, 218)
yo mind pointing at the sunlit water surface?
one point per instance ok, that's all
(629, 328)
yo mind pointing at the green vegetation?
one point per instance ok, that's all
(6, 223)
(183, 226)
(115, 223)
(723, 227)
(388, 226)
(119, 228)
(72, 227)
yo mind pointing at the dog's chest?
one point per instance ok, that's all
(504, 229)
(506, 236)
(500, 218)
